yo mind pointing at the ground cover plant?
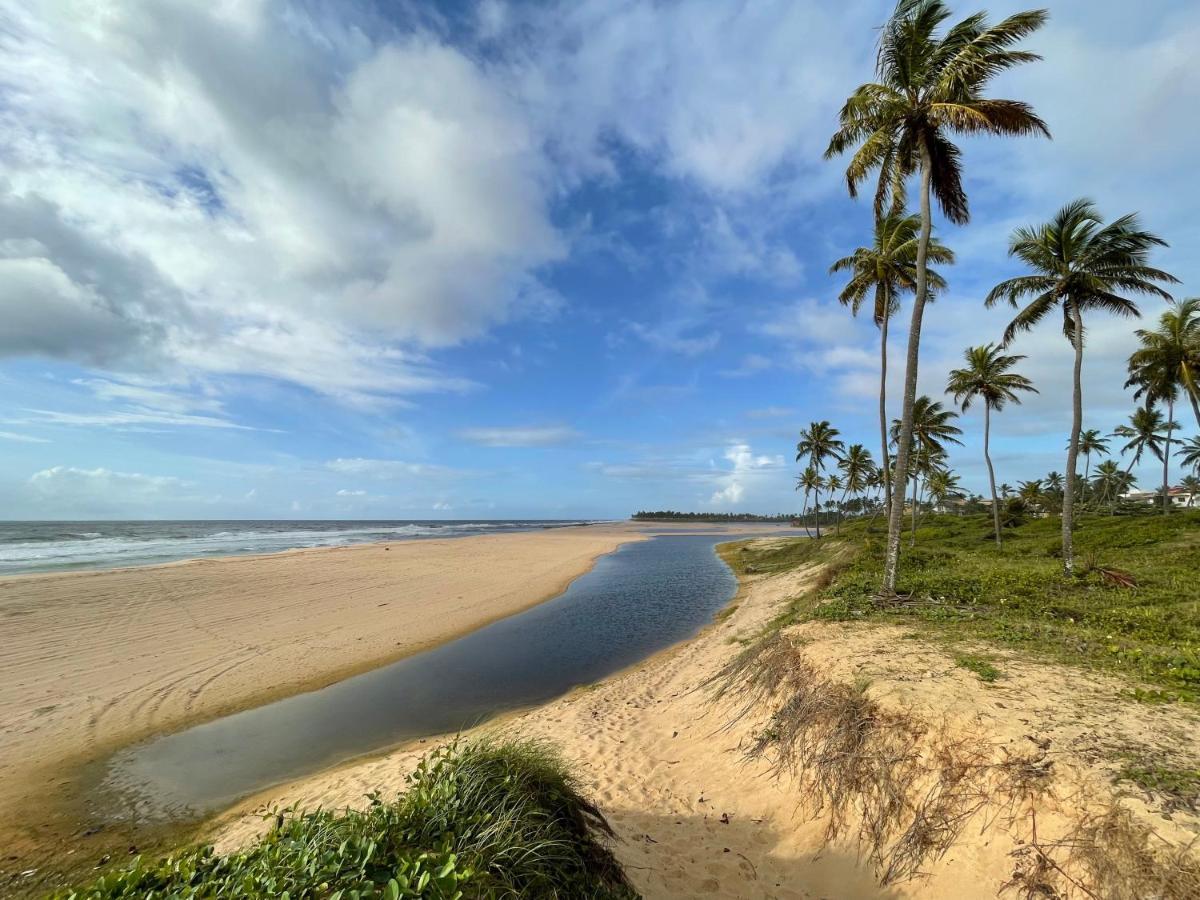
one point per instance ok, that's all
(478, 820)
(1132, 608)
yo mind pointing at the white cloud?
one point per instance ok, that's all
(772, 412)
(548, 436)
(345, 493)
(747, 468)
(21, 438)
(391, 469)
(263, 194)
(103, 491)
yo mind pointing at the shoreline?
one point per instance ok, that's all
(236, 618)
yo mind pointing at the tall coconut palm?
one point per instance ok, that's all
(1081, 265)
(1032, 493)
(987, 377)
(856, 467)
(833, 484)
(810, 480)
(818, 443)
(1005, 490)
(931, 428)
(1111, 482)
(929, 87)
(1147, 430)
(886, 270)
(1171, 352)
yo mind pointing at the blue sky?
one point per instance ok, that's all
(266, 259)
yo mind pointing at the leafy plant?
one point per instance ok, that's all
(478, 820)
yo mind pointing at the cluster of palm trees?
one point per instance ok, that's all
(930, 86)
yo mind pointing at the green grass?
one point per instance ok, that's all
(1180, 786)
(980, 665)
(963, 588)
(478, 820)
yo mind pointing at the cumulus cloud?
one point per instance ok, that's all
(102, 491)
(263, 193)
(547, 436)
(747, 468)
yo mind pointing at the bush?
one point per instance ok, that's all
(478, 820)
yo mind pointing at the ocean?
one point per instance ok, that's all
(58, 546)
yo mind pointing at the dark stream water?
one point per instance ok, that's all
(636, 601)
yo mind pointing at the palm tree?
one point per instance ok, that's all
(1083, 265)
(1111, 482)
(856, 467)
(1163, 366)
(1145, 432)
(929, 88)
(887, 269)
(987, 376)
(1172, 352)
(833, 484)
(1090, 441)
(810, 480)
(932, 427)
(1005, 490)
(1032, 493)
(818, 443)
(943, 486)
(1191, 485)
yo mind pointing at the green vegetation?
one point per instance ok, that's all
(478, 820)
(1181, 787)
(980, 665)
(1132, 607)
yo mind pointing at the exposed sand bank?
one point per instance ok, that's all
(93, 660)
(666, 762)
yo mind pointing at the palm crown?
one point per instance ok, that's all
(1082, 264)
(933, 427)
(1169, 356)
(1145, 432)
(987, 377)
(928, 87)
(889, 266)
(819, 442)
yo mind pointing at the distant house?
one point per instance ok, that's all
(1179, 497)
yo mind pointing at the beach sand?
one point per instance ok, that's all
(95, 660)
(666, 761)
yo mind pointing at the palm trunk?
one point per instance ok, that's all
(900, 478)
(883, 431)
(987, 458)
(841, 503)
(1087, 475)
(807, 494)
(817, 511)
(912, 537)
(1068, 510)
(1167, 457)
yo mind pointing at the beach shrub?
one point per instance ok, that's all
(478, 820)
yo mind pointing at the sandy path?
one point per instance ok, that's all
(92, 660)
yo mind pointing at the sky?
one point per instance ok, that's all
(495, 259)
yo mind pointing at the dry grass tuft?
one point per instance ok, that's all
(905, 792)
(1107, 855)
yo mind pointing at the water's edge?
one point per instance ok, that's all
(636, 601)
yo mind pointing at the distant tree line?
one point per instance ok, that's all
(708, 516)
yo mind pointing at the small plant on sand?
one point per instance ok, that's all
(980, 665)
(478, 820)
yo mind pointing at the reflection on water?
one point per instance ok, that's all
(643, 597)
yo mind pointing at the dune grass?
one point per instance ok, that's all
(1133, 608)
(478, 820)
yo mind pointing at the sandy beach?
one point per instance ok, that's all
(94, 660)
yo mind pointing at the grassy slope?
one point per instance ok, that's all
(478, 820)
(963, 587)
